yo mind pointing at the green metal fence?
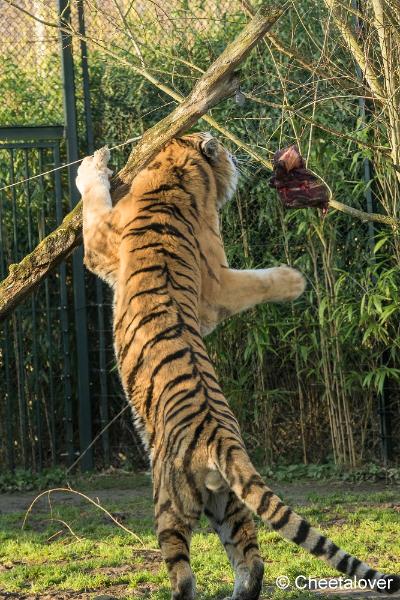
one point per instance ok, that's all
(58, 385)
(36, 342)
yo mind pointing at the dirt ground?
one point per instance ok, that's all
(296, 493)
(118, 592)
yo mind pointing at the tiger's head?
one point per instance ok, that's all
(222, 163)
(198, 164)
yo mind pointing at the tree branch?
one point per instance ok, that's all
(218, 82)
(313, 68)
(365, 65)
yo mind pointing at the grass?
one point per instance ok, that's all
(95, 557)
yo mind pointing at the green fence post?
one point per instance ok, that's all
(85, 413)
(105, 439)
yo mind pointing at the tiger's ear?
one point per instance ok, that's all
(210, 148)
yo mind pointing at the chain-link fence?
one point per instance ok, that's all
(30, 67)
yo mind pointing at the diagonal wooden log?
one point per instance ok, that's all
(220, 81)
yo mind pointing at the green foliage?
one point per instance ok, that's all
(331, 471)
(22, 480)
(342, 326)
(25, 99)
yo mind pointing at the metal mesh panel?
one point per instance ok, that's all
(157, 22)
(30, 82)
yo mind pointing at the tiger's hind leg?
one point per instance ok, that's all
(174, 531)
(236, 529)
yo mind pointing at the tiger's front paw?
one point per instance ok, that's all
(94, 171)
(285, 284)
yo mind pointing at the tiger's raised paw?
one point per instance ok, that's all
(94, 171)
(285, 284)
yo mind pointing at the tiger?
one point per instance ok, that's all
(161, 251)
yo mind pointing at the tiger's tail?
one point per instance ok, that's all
(236, 468)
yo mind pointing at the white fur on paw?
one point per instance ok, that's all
(101, 157)
(287, 284)
(94, 171)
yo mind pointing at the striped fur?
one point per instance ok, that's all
(160, 249)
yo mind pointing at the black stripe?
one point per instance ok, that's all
(176, 381)
(175, 433)
(173, 210)
(231, 450)
(193, 200)
(177, 558)
(161, 290)
(209, 269)
(332, 550)
(144, 321)
(164, 209)
(188, 457)
(164, 187)
(185, 288)
(186, 276)
(284, 520)
(146, 247)
(153, 166)
(354, 566)
(302, 532)
(235, 511)
(182, 404)
(173, 383)
(219, 448)
(174, 256)
(165, 361)
(318, 549)
(176, 412)
(276, 509)
(165, 229)
(254, 480)
(159, 228)
(168, 333)
(228, 418)
(188, 393)
(250, 546)
(370, 575)
(165, 506)
(140, 360)
(264, 502)
(343, 564)
(190, 417)
(166, 534)
(203, 173)
(238, 525)
(213, 435)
